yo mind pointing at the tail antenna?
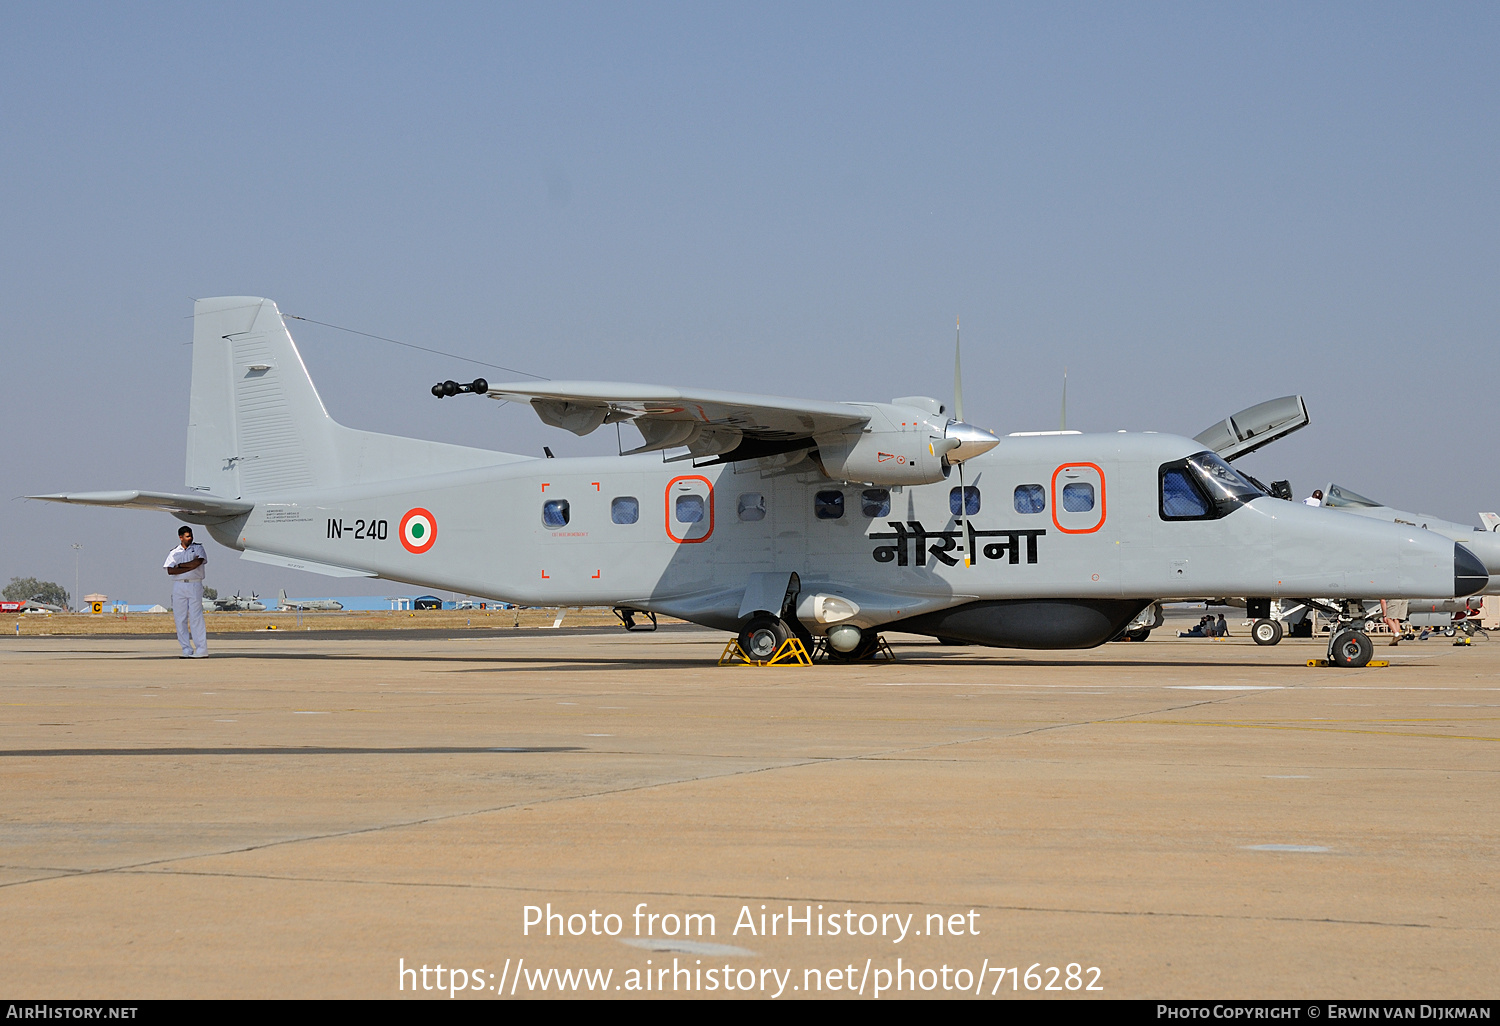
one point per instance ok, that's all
(1065, 400)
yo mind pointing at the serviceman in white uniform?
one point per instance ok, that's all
(185, 566)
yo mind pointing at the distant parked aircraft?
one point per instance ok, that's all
(308, 605)
(238, 604)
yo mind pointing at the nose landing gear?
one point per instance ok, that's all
(1350, 649)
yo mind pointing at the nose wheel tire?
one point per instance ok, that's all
(762, 635)
(1351, 650)
(1266, 632)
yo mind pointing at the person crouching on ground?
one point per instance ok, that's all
(185, 566)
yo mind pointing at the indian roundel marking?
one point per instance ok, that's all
(418, 530)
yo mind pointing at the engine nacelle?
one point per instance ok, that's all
(901, 445)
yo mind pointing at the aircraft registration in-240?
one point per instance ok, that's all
(774, 516)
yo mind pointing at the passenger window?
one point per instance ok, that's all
(556, 513)
(625, 510)
(967, 504)
(1078, 497)
(1180, 497)
(1030, 498)
(689, 509)
(875, 502)
(829, 505)
(752, 507)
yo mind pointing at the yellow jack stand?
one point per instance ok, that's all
(791, 653)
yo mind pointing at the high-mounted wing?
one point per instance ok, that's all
(200, 509)
(906, 441)
(728, 425)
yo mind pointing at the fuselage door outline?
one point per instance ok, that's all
(693, 532)
(1066, 516)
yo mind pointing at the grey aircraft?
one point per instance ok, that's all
(239, 604)
(1483, 542)
(760, 515)
(308, 605)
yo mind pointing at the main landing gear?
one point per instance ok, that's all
(763, 634)
(1266, 632)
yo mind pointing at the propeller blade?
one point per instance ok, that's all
(963, 509)
(958, 375)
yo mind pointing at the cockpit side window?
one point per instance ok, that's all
(1203, 487)
(1340, 496)
(1180, 497)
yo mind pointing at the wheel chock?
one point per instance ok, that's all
(791, 653)
(1329, 662)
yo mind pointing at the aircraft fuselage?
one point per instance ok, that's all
(1074, 517)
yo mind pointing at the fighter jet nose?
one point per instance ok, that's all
(972, 441)
(1469, 574)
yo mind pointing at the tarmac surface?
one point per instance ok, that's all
(303, 816)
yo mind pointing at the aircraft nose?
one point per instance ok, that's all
(1469, 574)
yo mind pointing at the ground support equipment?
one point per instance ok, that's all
(791, 653)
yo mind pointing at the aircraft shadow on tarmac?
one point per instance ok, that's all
(23, 753)
(491, 664)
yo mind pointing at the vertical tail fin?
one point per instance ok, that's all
(255, 422)
(256, 426)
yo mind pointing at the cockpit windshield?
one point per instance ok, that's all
(1222, 482)
(1339, 496)
(1203, 487)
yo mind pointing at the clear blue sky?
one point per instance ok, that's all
(1193, 207)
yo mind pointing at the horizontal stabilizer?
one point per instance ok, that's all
(295, 563)
(200, 509)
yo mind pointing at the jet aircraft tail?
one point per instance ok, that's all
(257, 428)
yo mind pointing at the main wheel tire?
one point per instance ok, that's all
(1352, 649)
(1139, 634)
(864, 650)
(763, 635)
(1266, 632)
